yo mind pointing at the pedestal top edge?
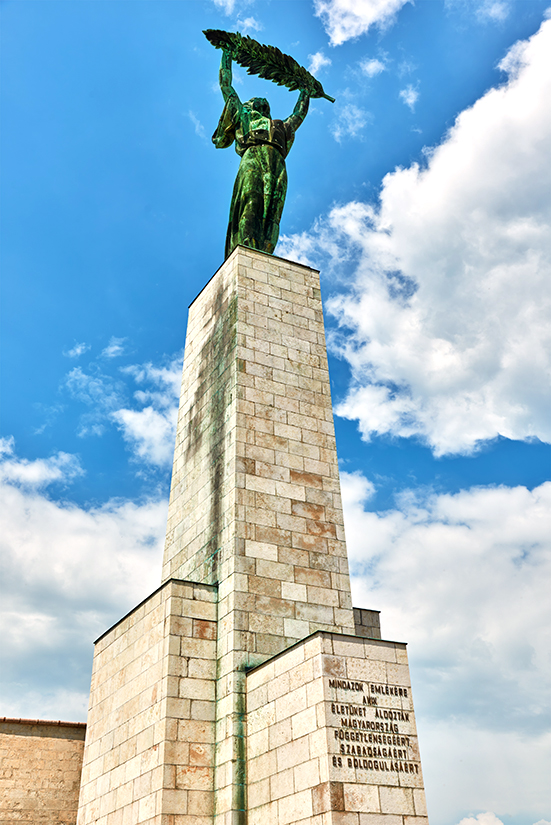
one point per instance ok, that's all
(329, 634)
(212, 587)
(251, 251)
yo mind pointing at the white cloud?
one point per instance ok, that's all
(231, 6)
(446, 327)
(464, 579)
(249, 24)
(114, 348)
(406, 67)
(347, 19)
(49, 413)
(94, 389)
(357, 489)
(485, 11)
(77, 350)
(516, 59)
(372, 66)
(150, 431)
(410, 96)
(465, 766)
(68, 573)
(38, 473)
(487, 818)
(495, 11)
(147, 419)
(305, 247)
(317, 62)
(226, 5)
(167, 378)
(51, 703)
(350, 122)
(197, 125)
(101, 393)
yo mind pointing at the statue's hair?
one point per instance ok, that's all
(259, 104)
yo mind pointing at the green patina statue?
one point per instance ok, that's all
(262, 143)
(261, 182)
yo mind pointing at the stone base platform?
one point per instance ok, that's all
(328, 726)
(331, 737)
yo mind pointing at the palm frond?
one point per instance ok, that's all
(267, 62)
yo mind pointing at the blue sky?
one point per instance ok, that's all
(423, 196)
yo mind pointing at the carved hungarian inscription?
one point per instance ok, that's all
(371, 728)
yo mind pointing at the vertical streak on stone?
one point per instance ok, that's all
(219, 363)
(240, 790)
(203, 440)
(237, 733)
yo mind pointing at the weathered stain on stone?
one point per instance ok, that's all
(208, 418)
(327, 796)
(203, 629)
(308, 479)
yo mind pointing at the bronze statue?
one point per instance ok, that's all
(261, 142)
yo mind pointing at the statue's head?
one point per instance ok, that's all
(258, 104)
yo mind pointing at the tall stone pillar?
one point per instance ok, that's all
(255, 502)
(248, 689)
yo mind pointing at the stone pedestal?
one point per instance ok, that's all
(255, 532)
(331, 735)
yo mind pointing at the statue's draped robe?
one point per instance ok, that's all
(261, 184)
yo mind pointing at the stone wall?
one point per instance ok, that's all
(41, 763)
(367, 623)
(150, 738)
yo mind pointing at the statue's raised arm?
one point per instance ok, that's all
(299, 112)
(231, 116)
(262, 143)
(225, 77)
